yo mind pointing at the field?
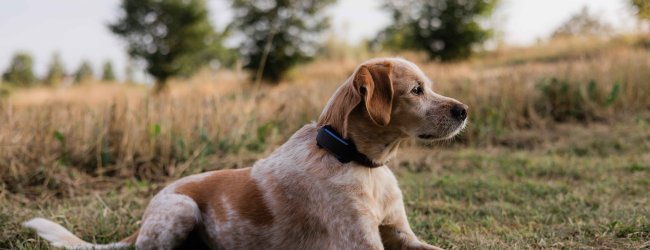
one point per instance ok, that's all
(557, 153)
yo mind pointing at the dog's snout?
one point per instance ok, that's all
(459, 112)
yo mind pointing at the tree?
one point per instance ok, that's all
(173, 37)
(107, 72)
(445, 29)
(278, 34)
(20, 71)
(84, 73)
(56, 71)
(583, 23)
(642, 8)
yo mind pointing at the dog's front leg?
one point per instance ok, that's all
(394, 238)
(354, 232)
(397, 234)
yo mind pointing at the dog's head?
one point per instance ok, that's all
(393, 95)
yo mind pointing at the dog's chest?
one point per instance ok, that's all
(372, 191)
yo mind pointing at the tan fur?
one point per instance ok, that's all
(374, 82)
(300, 196)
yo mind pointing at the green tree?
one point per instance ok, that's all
(278, 34)
(445, 29)
(107, 72)
(20, 71)
(642, 8)
(56, 71)
(173, 37)
(84, 73)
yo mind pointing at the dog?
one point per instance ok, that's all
(327, 187)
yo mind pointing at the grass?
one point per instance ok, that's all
(550, 197)
(556, 154)
(587, 188)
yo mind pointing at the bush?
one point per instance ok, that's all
(563, 100)
(20, 71)
(84, 73)
(56, 71)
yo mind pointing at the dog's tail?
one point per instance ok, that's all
(58, 236)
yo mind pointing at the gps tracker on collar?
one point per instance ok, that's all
(334, 143)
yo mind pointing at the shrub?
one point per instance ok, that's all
(20, 71)
(563, 100)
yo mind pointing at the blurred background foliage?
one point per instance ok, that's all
(642, 8)
(583, 23)
(584, 73)
(278, 35)
(174, 38)
(446, 29)
(20, 71)
(107, 72)
(84, 73)
(56, 71)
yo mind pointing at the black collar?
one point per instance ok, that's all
(344, 150)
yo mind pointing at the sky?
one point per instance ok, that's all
(77, 28)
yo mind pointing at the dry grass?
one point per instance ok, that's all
(58, 144)
(584, 188)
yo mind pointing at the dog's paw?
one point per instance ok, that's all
(424, 246)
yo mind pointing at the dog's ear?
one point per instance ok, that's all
(371, 83)
(374, 83)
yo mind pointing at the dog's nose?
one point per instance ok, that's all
(459, 112)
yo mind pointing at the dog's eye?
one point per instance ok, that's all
(417, 90)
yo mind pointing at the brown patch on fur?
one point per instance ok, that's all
(240, 191)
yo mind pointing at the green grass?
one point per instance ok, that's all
(507, 199)
(589, 190)
(580, 187)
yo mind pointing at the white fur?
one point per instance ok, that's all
(58, 236)
(167, 221)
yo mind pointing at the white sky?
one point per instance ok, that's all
(77, 28)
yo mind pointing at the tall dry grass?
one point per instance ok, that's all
(48, 138)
